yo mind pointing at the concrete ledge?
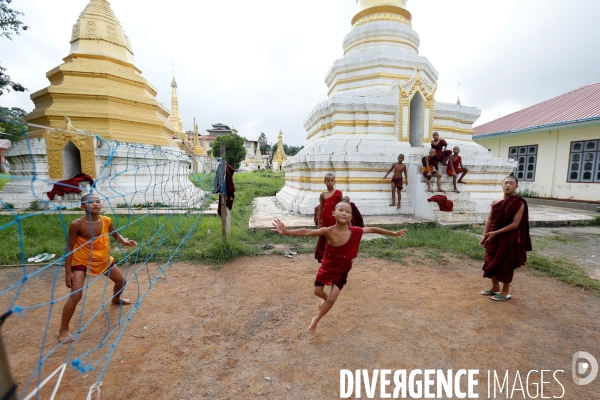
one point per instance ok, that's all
(564, 204)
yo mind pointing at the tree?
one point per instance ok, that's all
(12, 123)
(264, 145)
(235, 146)
(9, 26)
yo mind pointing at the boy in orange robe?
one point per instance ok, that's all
(327, 202)
(88, 249)
(343, 242)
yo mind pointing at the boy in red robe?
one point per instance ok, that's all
(430, 170)
(327, 202)
(456, 167)
(343, 242)
(506, 240)
(357, 219)
(440, 145)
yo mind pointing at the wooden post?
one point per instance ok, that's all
(7, 384)
(223, 198)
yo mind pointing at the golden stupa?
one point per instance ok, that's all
(99, 88)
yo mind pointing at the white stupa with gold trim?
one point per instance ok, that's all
(381, 103)
(98, 89)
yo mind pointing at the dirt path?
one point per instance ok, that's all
(239, 333)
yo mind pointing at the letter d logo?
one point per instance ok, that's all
(580, 368)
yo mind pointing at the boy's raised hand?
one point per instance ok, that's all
(401, 232)
(279, 227)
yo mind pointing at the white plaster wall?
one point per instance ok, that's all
(553, 160)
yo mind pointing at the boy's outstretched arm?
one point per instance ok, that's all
(280, 228)
(381, 231)
(119, 238)
(406, 175)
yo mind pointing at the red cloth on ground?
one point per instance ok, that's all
(327, 219)
(230, 187)
(60, 188)
(337, 261)
(507, 251)
(398, 182)
(357, 219)
(445, 204)
(441, 154)
(455, 164)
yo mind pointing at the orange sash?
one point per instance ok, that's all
(95, 253)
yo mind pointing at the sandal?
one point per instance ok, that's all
(488, 292)
(501, 298)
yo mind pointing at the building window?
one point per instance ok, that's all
(584, 161)
(526, 157)
(210, 144)
(248, 145)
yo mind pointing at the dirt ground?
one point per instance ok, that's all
(239, 332)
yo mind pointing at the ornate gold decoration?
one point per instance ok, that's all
(91, 28)
(111, 31)
(75, 33)
(55, 143)
(382, 17)
(382, 10)
(407, 91)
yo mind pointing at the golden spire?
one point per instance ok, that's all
(175, 119)
(198, 148)
(98, 32)
(280, 154)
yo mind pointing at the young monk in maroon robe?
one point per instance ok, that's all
(357, 219)
(430, 170)
(327, 203)
(439, 145)
(455, 167)
(343, 242)
(506, 240)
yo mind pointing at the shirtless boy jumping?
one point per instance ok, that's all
(343, 242)
(88, 249)
(327, 202)
(399, 168)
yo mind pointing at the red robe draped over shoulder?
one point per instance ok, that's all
(507, 251)
(337, 261)
(327, 219)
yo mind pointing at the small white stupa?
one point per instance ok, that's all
(381, 103)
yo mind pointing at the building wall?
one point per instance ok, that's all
(554, 147)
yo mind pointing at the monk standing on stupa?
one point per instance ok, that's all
(327, 202)
(506, 240)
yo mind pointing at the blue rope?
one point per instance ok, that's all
(161, 238)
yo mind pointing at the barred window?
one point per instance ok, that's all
(526, 158)
(584, 161)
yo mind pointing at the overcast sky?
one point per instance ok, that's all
(260, 65)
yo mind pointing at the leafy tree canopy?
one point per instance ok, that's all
(9, 26)
(235, 147)
(12, 123)
(263, 143)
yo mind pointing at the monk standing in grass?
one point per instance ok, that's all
(506, 240)
(343, 242)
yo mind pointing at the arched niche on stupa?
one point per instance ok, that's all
(417, 116)
(71, 160)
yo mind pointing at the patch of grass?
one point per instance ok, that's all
(426, 236)
(4, 179)
(564, 271)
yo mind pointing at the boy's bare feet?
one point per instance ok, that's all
(430, 190)
(313, 326)
(124, 302)
(398, 206)
(460, 181)
(64, 336)
(441, 190)
(392, 205)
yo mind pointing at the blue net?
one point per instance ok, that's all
(151, 194)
